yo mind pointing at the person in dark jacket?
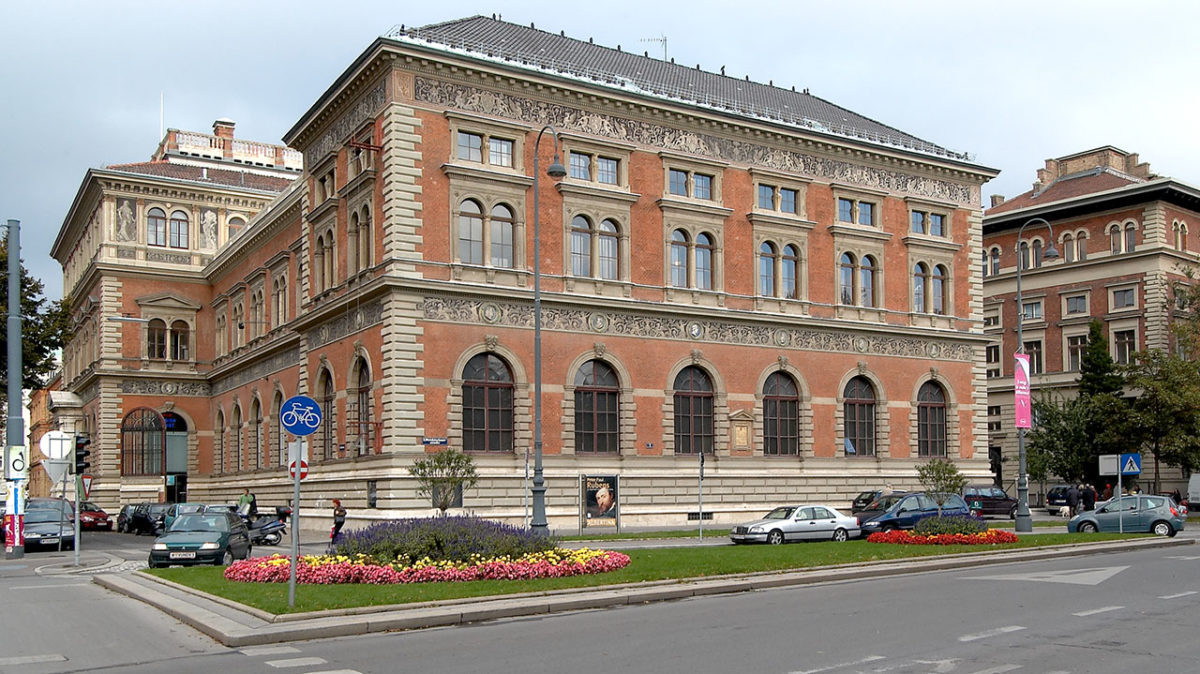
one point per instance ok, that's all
(1073, 500)
(1088, 497)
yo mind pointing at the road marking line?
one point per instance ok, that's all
(296, 662)
(32, 659)
(998, 670)
(1177, 596)
(1106, 609)
(254, 651)
(355, 671)
(991, 633)
(1186, 558)
(49, 585)
(869, 658)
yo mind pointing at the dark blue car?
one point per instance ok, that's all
(903, 511)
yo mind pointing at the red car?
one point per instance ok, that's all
(91, 516)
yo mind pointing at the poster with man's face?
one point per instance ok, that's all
(600, 500)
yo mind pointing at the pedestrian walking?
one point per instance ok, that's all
(339, 521)
(1073, 499)
(1107, 495)
(1088, 497)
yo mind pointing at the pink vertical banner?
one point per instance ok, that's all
(1021, 390)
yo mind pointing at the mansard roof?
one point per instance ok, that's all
(205, 175)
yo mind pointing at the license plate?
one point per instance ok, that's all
(183, 555)
(49, 541)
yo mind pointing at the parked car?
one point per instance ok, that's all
(1136, 513)
(176, 509)
(202, 538)
(903, 511)
(48, 527)
(866, 498)
(125, 516)
(1056, 498)
(61, 504)
(148, 518)
(808, 522)
(92, 516)
(987, 499)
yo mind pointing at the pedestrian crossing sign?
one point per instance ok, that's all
(1131, 464)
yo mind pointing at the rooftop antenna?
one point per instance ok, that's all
(661, 39)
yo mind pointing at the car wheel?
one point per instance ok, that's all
(775, 537)
(273, 538)
(1163, 529)
(888, 527)
(1087, 528)
(227, 558)
(153, 564)
(841, 536)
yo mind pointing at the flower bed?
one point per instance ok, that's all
(989, 537)
(335, 569)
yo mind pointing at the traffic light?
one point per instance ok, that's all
(81, 454)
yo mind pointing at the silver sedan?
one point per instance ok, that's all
(808, 522)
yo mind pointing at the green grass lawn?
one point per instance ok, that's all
(650, 565)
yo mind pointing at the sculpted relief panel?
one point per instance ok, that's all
(633, 131)
(463, 310)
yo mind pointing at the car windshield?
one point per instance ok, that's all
(781, 513)
(43, 515)
(159, 508)
(885, 502)
(88, 505)
(189, 508)
(200, 523)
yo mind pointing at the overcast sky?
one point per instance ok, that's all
(1013, 82)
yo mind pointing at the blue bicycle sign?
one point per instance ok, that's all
(300, 415)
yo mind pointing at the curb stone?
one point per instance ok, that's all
(236, 625)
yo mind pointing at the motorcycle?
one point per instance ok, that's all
(267, 530)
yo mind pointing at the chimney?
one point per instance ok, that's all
(223, 128)
(997, 199)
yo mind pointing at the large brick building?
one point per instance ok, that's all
(727, 268)
(1124, 237)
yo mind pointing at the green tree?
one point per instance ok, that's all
(941, 478)
(43, 329)
(1060, 439)
(1185, 318)
(1097, 371)
(440, 475)
(1164, 417)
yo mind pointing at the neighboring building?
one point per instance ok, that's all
(728, 267)
(41, 420)
(1124, 236)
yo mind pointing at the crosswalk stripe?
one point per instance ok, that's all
(296, 662)
(32, 659)
(1103, 609)
(256, 651)
(991, 633)
(1177, 596)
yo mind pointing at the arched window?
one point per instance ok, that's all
(318, 267)
(985, 264)
(179, 230)
(364, 408)
(846, 278)
(156, 227)
(790, 276)
(694, 430)
(1068, 244)
(858, 409)
(867, 281)
(1130, 237)
(597, 427)
(328, 417)
(931, 420)
(364, 239)
(608, 248)
(180, 340)
(254, 435)
(487, 394)
(920, 277)
(1037, 253)
(219, 443)
(995, 261)
(470, 232)
(1114, 238)
(156, 339)
(1024, 255)
(781, 416)
(581, 246)
(278, 443)
(1081, 246)
(233, 227)
(766, 269)
(938, 297)
(235, 439)
(704, 261)
(502, 236)
(679, 259)
(143, 443)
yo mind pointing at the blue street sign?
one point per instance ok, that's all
(1131, 464)
(300, 415)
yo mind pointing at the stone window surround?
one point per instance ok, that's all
(1067, 333)
(859, 194)
(626, 405)
(782, 235)
(1040, 300)
(598, 205)
(490, 188)
(692, 165)
(1112, 288)
(1067, 294)
(721, 411)
(931, 265)
(804, 430)
(1123, 325)
(609, 149)
(859, 241)
(488, 127)
(953, 446)
(930, 207)
(777, 181)
(693, 221)
(326, 229)
(1120, 226)
(996, 310)
(883, 426)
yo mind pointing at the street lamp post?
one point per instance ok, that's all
(1024, 521)
(555, 170)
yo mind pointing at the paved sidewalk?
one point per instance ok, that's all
(236, 625)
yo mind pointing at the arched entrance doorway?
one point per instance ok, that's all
(177, 457)
(156, 445)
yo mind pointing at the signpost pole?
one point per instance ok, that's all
(299, 451)
(300, 416)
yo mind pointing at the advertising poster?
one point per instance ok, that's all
(1021, 390)
(599, 500)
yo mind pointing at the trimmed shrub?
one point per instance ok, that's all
(950, 524)
(441, 538)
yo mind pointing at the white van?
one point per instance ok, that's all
(1193, 492)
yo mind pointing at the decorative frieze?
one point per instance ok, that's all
(164, 387)
(472, 311)
(335, 136)
(171, 258)
(562, 117)
(258, 370)
(355, 319)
